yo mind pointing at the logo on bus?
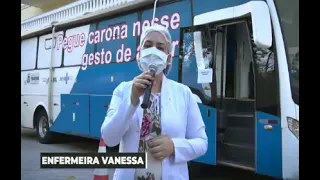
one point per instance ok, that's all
(46, 80)
(66, 78)
(32, 78)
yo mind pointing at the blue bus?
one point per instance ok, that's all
(70, 68)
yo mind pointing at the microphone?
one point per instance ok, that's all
(147, 92)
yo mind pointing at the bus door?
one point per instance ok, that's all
(236, 99)
(195, 57)
(216, 63)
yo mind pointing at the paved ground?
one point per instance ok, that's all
(30, 162)
(30, 153)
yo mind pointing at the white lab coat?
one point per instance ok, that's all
(180, 120)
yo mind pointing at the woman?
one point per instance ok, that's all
(171, 130)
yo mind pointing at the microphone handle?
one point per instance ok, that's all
(146, 98)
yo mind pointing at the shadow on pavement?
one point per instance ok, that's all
(74, 142)
(205, 172)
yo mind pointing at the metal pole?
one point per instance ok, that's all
(50, 83)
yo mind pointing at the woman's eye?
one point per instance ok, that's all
(160, 48)
(147, 46)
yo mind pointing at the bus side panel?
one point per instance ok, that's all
(28, 107)
(99, 105)
(269, 145)
(33, 94)
(64, 79)
(74, 115)
(29, 79)
(209, 116)
(109, 61)
(35, 87)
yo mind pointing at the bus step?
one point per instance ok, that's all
(239, 135)
(236, 106)
(235, 165)
(240, 121)
(238, 154)
(243, 146)
(240, 115)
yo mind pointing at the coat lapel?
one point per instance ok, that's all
(166, 103)
(165, 94)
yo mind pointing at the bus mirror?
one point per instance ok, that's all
(261, 25)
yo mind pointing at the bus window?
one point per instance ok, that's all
(288, 12)
(29, 53)
(266, 78)
(197, 54)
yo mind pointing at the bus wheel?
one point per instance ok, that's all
(44, 135)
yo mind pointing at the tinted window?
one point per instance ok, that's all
(266, 78)
(197, 54)
(288, 12)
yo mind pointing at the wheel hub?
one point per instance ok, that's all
(43, 126)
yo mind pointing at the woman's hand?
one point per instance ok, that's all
(161, 147)
(139, 84)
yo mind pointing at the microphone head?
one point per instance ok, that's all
(153, 68)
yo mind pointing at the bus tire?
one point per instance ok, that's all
(42, 127)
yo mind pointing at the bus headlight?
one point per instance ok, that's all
(293, 125)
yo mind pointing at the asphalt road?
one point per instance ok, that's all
(30, 161)
(30, 157)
